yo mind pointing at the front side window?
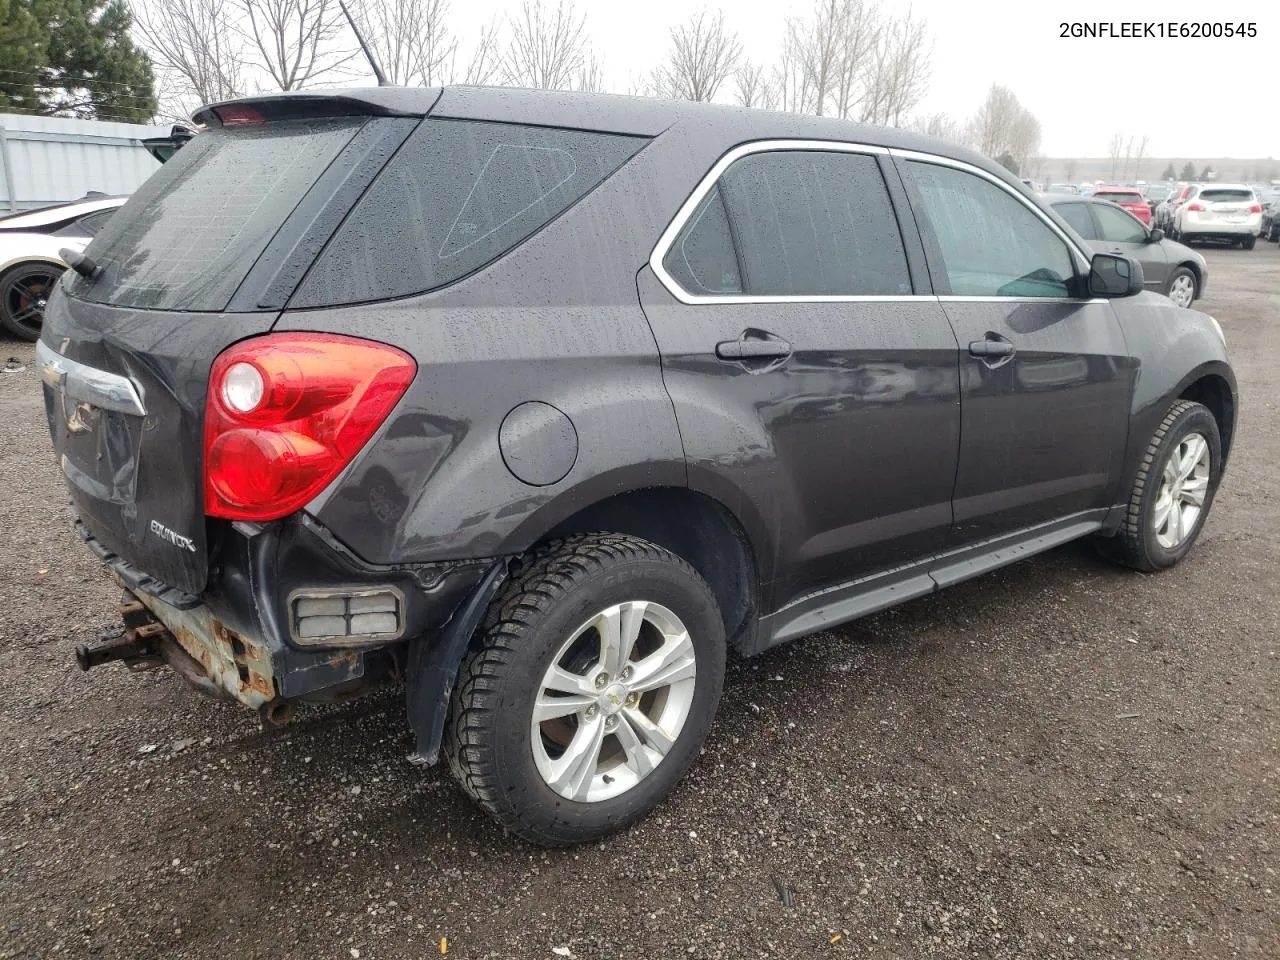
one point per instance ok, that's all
(1118, 226)
(793, 223)
(989, 242)
(1077, 214)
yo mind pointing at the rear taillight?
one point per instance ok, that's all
(1196, 207)
(1256, 208)
(287, 412)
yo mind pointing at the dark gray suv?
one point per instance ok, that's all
(545, 402)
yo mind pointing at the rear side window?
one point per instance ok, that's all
(1119, 226)
(793, 223)
(1226, 196)
(1077, 214)
(703, 259)
(189, 236)
(457, 195)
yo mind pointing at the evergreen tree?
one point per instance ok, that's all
(1006, 160)
(1169, 173)
(73, 58)
(1204, 174)
(21, 57)
(1188, 171)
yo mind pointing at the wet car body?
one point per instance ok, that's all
(814, 458)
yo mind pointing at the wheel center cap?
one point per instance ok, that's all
(612, 699)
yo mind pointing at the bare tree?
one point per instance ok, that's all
(1024, 137)
(1114, 146)
(1137, 161)
(1004, 127)
(484, 63)
(995, 120)
(790, 77)
(753, 86)
(409, 38)
(943, 126)
(900, 71)
(546, 47)
(590, 78)
(195, 44)
(704, 52)
(1071, 171)
(296, 40)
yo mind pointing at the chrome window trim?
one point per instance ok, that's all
(1081, 258)
(98, 388)
(709, 180)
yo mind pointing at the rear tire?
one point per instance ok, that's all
(24, 290)
(1248, 242)
(541, 650)
(1182, 464)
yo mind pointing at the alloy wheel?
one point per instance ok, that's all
(25, 295)
(1184, 484)
(1183, 291)
(613, 702)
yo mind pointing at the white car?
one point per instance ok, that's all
(29, 260)
(1220, 211)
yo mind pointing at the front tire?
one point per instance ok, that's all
(1172, 493)
(590, 690)
(1182, 287)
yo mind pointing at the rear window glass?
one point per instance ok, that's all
(457, 195)
(188, 237)
(1226, 196)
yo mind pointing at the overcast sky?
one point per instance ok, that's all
(1202, 98)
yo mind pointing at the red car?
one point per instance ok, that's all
(1128, 197)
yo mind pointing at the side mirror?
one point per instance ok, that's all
(1114, 276)
(1155, 236)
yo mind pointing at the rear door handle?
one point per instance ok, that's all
(753, 348)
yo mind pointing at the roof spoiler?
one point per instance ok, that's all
(365, 102)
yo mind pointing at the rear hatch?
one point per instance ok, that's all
(1230, 205)
(205, 254)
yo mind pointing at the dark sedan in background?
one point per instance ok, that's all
(1170, 268)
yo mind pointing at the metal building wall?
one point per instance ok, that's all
(46, 160)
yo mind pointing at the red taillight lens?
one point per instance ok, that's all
(1196, 207)
(287, 412)
(1256, 208)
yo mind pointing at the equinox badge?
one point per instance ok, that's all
(177, 539)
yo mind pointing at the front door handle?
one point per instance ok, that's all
(993, 351)
(753, 348)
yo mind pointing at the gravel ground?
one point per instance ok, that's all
(1061, 759)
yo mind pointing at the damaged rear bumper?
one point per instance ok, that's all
(240, 638)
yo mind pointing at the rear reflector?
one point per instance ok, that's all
(286, 412)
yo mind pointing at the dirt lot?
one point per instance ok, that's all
(1062, 759)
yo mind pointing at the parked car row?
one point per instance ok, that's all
(1170, 268)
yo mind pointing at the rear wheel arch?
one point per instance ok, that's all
(693, 526)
